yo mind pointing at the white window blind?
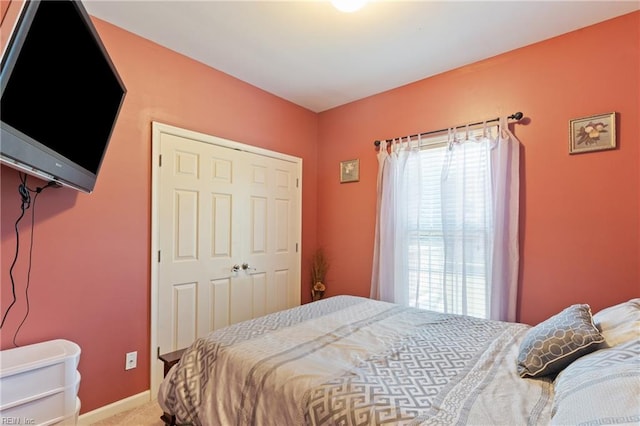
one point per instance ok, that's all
(449, 228)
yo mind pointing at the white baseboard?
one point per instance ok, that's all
(112, 409)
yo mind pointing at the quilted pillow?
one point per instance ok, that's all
(600, 388)
(620, 323)
(556, 342)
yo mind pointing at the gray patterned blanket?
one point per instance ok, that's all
(353, 361)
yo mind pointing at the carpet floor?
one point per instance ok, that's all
(144, 415)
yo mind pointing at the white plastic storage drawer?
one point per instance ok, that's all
(39, 383)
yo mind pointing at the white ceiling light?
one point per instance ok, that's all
(348, 5)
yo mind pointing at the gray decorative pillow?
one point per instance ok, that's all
(555, 343)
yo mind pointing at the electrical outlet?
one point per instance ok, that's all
(131, 360)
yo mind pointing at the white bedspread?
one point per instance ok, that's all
(354, 361)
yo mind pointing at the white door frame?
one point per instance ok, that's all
(157, 130)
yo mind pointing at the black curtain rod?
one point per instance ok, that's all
(516, 116)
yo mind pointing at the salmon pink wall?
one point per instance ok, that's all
(90, 279)
(579, 214)
(580, 226)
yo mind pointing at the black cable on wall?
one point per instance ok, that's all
(25, 203)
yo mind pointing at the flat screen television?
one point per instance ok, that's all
(61, 95)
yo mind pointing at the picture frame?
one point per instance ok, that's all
(350, 171)
(593, 133)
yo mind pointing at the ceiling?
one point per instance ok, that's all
(309, 53)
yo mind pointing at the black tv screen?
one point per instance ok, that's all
(61, 95)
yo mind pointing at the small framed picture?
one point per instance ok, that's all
(594, 133)
(350, 171)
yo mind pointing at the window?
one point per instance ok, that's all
(449, 229)
(446, 235)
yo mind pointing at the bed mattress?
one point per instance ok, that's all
(355, 361)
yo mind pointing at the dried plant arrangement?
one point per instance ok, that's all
(319, 268)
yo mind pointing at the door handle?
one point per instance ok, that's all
(247, 268)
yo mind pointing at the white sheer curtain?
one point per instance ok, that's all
(387, 268)
(505, 169)
(447, 225)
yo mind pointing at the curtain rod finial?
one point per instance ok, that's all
(517, 116)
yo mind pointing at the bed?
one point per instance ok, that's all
(348, 360)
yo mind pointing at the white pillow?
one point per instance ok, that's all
(601, 388)
(619, 323)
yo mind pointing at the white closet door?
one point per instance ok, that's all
(227, 234)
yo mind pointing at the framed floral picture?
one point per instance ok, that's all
(349, 171)
(594, 133)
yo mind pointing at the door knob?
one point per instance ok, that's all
(247, 268)
(235, 268)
